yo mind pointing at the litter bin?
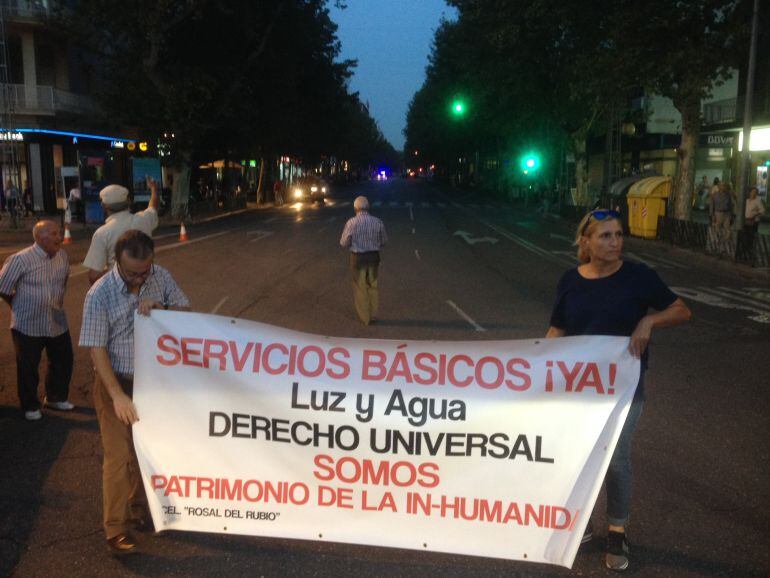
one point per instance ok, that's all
(646, 202)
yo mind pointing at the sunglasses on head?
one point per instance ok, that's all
(599, 215)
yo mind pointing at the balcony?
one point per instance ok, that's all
(26, 10)
(43, 101)
(719, 111)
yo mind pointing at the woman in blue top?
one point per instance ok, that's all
(605, 295)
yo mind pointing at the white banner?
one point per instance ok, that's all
(488, 448)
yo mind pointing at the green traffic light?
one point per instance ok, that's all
(458, 108)
(530, 163)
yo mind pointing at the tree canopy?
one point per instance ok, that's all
(544, 74)
(228, 78)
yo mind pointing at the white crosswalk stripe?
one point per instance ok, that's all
(727, 298)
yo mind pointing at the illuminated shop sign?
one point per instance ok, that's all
(12, 136)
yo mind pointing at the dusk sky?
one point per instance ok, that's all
(391, 39)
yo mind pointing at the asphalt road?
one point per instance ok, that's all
(456, 269)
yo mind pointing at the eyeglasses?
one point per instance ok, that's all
(599, 215)
(131, 276)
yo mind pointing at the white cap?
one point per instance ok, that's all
(113, 195)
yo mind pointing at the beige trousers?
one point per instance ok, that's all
(365, 294)
(123, 494)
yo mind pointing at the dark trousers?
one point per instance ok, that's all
(57, 380)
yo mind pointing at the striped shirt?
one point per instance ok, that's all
(364, 233)
(37, 283)
(108, 313)
(101, 253)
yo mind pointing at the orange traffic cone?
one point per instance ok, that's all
(182, 233)
(67, 236)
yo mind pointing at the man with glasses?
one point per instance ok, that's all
(134, 284)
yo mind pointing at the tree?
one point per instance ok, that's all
(229, 79)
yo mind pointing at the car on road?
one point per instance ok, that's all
(310, 188)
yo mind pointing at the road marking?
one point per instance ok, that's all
(271, 219)
(411, 214)
(218, 305)
(394, 203)
(192, 241)
(322, 229)
(527, 245)
(166, 236)
(562, 237)
(442, 205)
(417, 254)
(473, 206)
(413, 231)
(258, 232)
(344, 203)
(761, 313)
(263, 235)
(377, 204)
(666, 261)
(409, 204)
(721, 292)
(458, 205)
(426, 204)
(465, 316)
(472, 241)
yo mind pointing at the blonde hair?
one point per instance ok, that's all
(585, 228)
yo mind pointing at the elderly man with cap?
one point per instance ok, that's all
(101, 253)
(364, 235)
(33, 282)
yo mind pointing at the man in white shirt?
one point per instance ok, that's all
(101, 253)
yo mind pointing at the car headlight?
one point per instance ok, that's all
(297, 193)
(323, 189)
(313, 189)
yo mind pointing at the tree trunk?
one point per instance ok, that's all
(685, 173)
(180, 190)
(583, 197)
(260, 190)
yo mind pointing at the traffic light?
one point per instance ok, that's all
(458, 108)
(530, 163)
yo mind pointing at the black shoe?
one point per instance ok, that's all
(618, 550)
(122, 544)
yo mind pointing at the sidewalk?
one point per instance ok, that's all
(23, 234)
(698, 258)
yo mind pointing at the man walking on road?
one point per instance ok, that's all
(33, 282)
(101, 253)
(364, 235)
(133, 284)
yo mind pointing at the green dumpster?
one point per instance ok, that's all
(646, 202)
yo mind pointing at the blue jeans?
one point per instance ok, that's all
(619, 479)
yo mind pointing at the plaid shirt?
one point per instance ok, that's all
(364, 233)
(37, 283)
(108, 313)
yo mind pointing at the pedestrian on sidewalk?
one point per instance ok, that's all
(721, 211)
(33, 282)
(755, 208)
(101, 253)
(364, 235)
(134, 284)
(278, 192)
(605, 295)
(13, 200)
